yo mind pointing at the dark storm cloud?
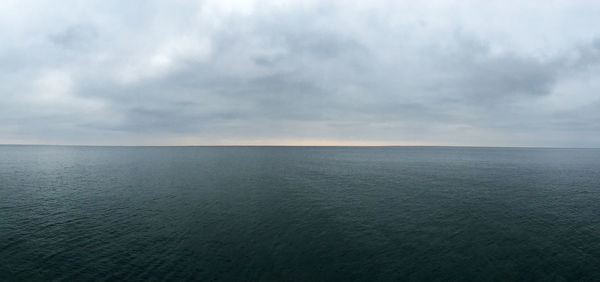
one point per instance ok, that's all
(218, 72)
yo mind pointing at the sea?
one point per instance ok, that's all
(77, 213)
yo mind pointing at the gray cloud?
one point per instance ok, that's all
(74, 37)
(297, 72)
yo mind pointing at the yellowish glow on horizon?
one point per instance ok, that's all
(287, 142)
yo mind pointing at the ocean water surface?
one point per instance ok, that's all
(299, 213)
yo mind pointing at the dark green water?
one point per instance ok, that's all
(299, 213)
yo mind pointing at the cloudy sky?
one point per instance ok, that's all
(492, 73)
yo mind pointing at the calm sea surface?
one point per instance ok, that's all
(299, 213)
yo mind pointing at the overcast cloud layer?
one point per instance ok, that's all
(504, 73)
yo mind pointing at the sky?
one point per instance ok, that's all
(470, 73)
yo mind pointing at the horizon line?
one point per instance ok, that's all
(291, 145)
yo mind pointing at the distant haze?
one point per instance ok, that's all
(491, 73)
